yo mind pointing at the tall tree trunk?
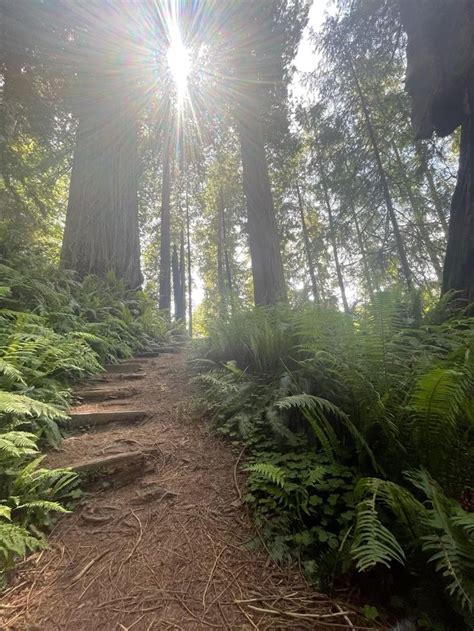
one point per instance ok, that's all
(101, 232)
(165, 231)
(332, 232)
(182, 277)
(267, 265)
(307, 246)
(189, 265)
(178, 286)
(418, 214)
(458, 271)
(221, 284)
(228, 269)
(382, 176)
(363, 252)
(432, 186)
(176, 281)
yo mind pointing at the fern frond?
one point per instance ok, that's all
(269, 471)
(373, 542)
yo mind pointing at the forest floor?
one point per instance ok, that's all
(165, 546)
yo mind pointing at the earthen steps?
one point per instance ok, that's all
(125, 367)
(106, 393)
(114, 461)
(121, 376)
(96, 419)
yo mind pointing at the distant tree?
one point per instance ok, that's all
(165, 226)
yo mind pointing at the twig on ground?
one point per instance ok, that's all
(86, 568)
(292, 614)
(210, 577)
(137, 542)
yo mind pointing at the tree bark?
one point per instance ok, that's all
(307, 246)
(101, 232)
(165, 231)
(458, 273)
(267, 265)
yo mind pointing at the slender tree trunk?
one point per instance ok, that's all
(383, 177)
(176, 281)
(433, 190)
(332, 233)
(458, 271)
(101, 231)
(418, 214)
(228, 269)
(178, 286)
(182, 278)
(165, 234)
(307, 246)
(267, 265)
(221, 284)
(363, 251)
(189, 263)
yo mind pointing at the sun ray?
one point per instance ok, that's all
(179, 63)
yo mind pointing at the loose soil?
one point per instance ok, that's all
(166, 547)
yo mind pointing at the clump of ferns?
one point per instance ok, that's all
(425, 519)
(29, 496)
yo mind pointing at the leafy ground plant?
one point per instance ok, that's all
(359, 430)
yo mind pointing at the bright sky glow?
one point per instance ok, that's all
(179, 63)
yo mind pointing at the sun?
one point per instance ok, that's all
(179, 63)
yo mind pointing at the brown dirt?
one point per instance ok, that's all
(169, 549)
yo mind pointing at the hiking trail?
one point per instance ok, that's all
(159, 540)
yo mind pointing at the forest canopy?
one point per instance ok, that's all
(167, 170)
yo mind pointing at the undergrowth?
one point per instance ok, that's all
(360, 439)
(53, 330)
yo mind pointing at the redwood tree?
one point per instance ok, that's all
(101, 232)
(440, 80)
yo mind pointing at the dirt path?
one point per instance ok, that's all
(166, 549)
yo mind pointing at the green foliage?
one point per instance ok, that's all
(53, 330)
(375, 393)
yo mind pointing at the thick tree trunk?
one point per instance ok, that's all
(383, 177)
(267, 265)
(458, 271)
(101, 233)
(165, 232)
(307, 246)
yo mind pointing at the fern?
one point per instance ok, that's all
(436, 401)
(269, 471)
(373, 542)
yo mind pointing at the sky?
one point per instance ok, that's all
(305, 60)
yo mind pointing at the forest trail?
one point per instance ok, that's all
(165, 548)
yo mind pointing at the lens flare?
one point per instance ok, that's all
(179, 63)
